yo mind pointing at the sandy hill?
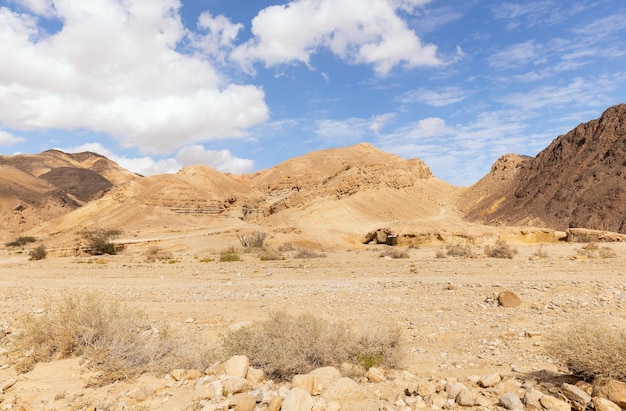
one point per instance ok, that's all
(579, 180)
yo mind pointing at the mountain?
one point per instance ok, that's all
(579, 180)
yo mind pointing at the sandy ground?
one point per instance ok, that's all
(445, 306)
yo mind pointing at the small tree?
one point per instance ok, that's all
(99, 241)
(252, 240)
(21, 242)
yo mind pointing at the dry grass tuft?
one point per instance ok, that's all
(284, 345)
(306, 253)
(458, 250)
(117, 341)
(229, 255)
(157, 254)
(269, 254)
(500, 250)
(394, 253)
(591, 350)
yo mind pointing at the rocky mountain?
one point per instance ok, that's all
(579, 180)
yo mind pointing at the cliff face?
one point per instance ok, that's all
(579, 180)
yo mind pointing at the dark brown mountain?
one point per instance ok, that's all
(579, 180)
(84, 184)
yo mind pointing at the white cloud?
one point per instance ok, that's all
(517, 55)
(8, 139)
(220, 36)
(352, 130)
(357, 31)
(437, 98)
(221, 160)
(114, 68)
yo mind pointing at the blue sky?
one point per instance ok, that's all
(242, 85)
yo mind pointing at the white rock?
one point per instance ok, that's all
(550, 403)
(237, 366)
(511, 401)
(575, 394)
(298, 400)
(489, 380)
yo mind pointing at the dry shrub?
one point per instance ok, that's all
(286, 247)
(157, 254)
(540, 254)
(440, 253)
(306, 253)
(229, 255)
(591, 247)
(394, 253)
(591, 350)
(607, 252)
(38, 253)
(269, 254)
(500, 250)
(458, 250)
(284, 345)
(117, 341)
(252, 240)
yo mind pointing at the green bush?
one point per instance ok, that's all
(21, 242)
(284, 345)
(99, 241)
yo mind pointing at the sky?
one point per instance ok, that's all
(243, 85)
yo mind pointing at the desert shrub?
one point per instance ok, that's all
(539, 254)
(21, 242)
(38, 253)
(607, 252)
(284, 345)
(500, 250)
(286, 247)
(269, 254)
(116, 340)
(591, 350)
(440, 253)
(394, 253)
(306, 253)
(99, 241)
(591, 247)
(229, 255)
(157, 254)
(458, 250)
(252, 240)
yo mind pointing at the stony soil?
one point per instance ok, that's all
(454, 329)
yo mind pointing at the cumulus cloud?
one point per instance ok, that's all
(114, 67)
(8, 139)
(221, 160)
(357, 31)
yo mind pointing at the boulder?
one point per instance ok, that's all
(242, 402)
(575, 394)
(298, 400)
(602, 404)
(275, 404)
(465, 398)
(237, 366)
(511, 401)
(489, 380)
(235, 385)
(508, 299)
(375, 375)
(551, 403)
(317, 380)
(346, 389)
(616, 392)
(532, 399)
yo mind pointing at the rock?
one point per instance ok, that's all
(508, 299)
(8, 383)
(317, 380)
(575, 394)
(235, 385)
(193, 374)
(550, 403)
(242, 402)
(532, 399)
(140, 393)
(465, 398)
(275, 404)
(602, 404)
(375, 375)
(237, 366)
(511, 401)
(178, 374)
(255, 375)
(453, 389)
(489, 380)
(346, 389)
(615, 391)
(298, 400)
(426, 388)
